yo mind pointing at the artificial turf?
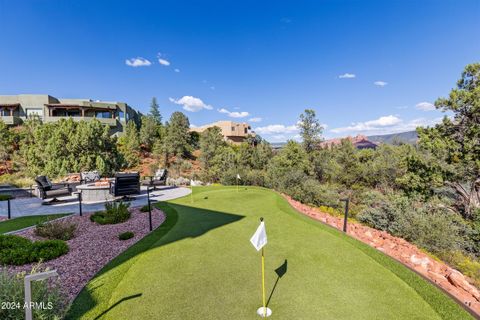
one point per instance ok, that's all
(200, 265)
(24, 222)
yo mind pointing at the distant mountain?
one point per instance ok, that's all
(405, 137)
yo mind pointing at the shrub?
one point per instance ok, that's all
(125, 235)
(15, 250)
(115, 212)
(144, 208)
(47, 292)
(61, 230)
(48, 250)
(428, 225)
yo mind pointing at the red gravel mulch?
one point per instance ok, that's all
(447, 278)
(92, 248)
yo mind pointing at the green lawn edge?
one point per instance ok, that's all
(84, 304)
(445, 306)
(25, 222)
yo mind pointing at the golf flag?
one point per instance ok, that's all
(259, 239)
(238, 177)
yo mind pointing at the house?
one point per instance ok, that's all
(232, 131)
(15, 109)
(359, 141)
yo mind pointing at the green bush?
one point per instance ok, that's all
(125, 235)
(115, 212)
(48, 250)
(15, 250)
(48, 292)
(429, 225)
(144, 208)
(61, 230)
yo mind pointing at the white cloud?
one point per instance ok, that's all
(380, 83)
(163, 62)
(191, 104)
(234, 114)
(385, 121)
(176, 70)
(192, 125)
(425, 106)
(347, 76)
(212, 87)
(256, 119)
(384, 125)
(138, 62)
(277, 129)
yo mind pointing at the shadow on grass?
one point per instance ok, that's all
(181, 222)
(280, 271)
(138, 295)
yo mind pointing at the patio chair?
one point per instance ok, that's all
(89, 177)
(125, 184)
(159, 179)
(48, 190)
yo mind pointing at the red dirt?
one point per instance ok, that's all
(447, 278)
(92, 248)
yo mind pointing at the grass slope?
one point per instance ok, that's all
(201, 265)
(24, 222)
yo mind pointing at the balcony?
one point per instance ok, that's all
(11, 120)
(107, 121)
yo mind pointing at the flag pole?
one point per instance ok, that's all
(237, 182)
(263, 285)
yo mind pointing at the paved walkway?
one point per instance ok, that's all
(33, 206)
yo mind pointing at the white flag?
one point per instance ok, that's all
(238, 177)
(192, 182)
(259, 239)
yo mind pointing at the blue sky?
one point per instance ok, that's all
(365, 66)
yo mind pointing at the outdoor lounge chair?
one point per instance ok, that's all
(47, 190)
(159, 179)
(125, 184)
(89, 177)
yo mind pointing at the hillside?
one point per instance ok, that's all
(405, 137)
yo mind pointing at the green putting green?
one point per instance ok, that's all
(201, 265)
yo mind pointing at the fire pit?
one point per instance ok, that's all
(95, 192)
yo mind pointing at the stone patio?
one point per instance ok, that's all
(33, 206)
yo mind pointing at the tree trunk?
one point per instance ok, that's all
(469, 198)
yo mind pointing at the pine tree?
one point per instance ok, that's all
(155, 111)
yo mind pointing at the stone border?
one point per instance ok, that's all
(449, 280)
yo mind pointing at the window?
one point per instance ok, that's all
(121, 115)
(4, 112)
(103, 114)
(233, 129)
(34, 112)
(245, 130)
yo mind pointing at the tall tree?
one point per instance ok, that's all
(177, 137)
(310, 130)
(149, 132)
(210, 141)
(129, 145)
(155, 111)
(456, 141)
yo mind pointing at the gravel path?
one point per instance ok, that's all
(92, 247)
